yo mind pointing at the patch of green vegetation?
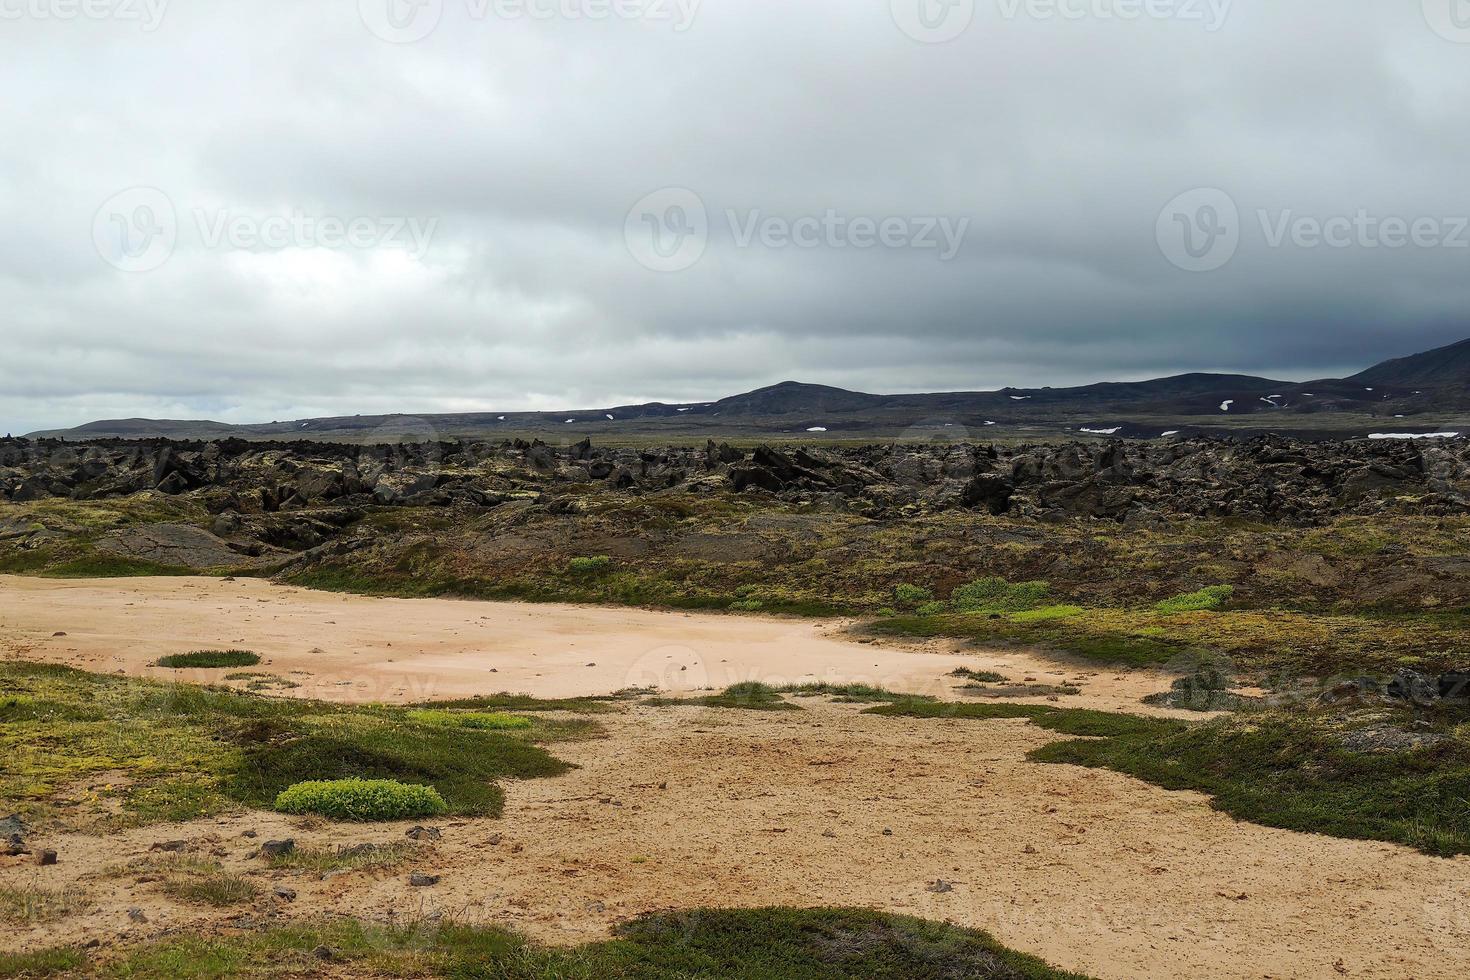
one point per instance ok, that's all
(995, 594)
(218, 889)
(1043, 613)
(747, 605)
(589, 566)
(1289, 769)
(979, 676)
(29, 905)
(42, 963)
(752, 944)
(111, 566)
(752, 695)
(210, 659)
(360, 857)
(850, 693)
(362, 799)
(911, 595)
(1211, 597)
(188, 752)
(522, 703)
(494, 721)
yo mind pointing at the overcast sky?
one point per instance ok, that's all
(282, 209)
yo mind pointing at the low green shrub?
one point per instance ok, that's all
(911, 595)
(932, 609)
(1044, 613)
(589, 566)
(1212, 597)
(362, 799)
(210, 658)
(995, 594)
(747, 605)
(491, 721)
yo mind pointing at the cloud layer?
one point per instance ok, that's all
(289, 150)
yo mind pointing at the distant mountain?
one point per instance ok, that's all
(1432, 386)
(1443, 366)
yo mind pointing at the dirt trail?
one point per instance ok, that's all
(687, 807)
(360, 649)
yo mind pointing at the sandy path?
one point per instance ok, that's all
(1092, 870)
(360, 649)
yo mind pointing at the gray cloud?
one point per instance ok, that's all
(528, 141)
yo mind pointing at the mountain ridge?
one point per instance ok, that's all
(1435, 381)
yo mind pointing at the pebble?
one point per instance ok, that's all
(284, 894)
(420, 880)
(276, 848)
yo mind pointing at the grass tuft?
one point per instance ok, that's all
(485, 721)
(28, 905)
(1212, 597)
(793, 944)
(362, 799)
(210, 659)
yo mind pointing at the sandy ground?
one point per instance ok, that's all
(360, 649)
(687, 807)
(1094, 871)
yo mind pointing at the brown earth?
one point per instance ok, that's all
(1094, 871)
(358, 649)
(685, 807)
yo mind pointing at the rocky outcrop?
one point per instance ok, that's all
(1268, 478)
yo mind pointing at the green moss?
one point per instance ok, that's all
(752, 696)
(494, 721)
(1288, 769)
(911, 595)
(995, 594)
(752, 944)
(1212, 597)
(1044, 613)
(362, 799)
(210, 659)
(188, 752)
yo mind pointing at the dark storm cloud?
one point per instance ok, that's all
(1054, 133)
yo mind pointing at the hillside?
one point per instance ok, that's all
(1421, 392)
